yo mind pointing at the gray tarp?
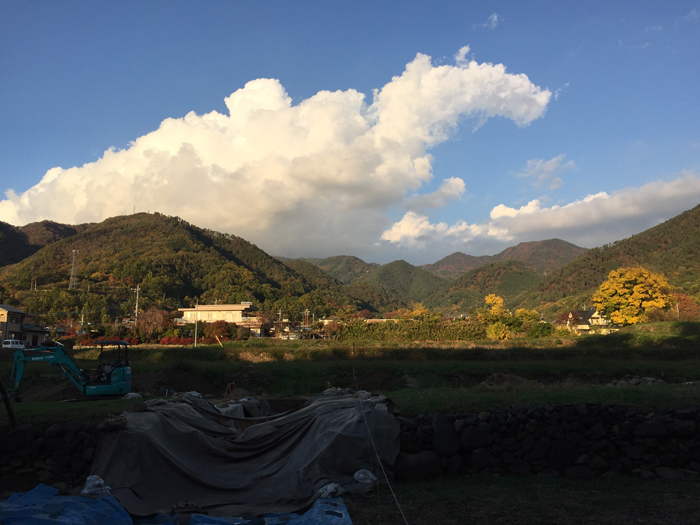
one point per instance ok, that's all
(186, 450)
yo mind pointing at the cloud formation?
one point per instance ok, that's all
(491, 22)
(547, 172)
(316, 177)
(592, 221)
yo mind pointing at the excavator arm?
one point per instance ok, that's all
(55, 356)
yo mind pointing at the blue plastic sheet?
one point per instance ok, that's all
(326, 511)
(43, 506)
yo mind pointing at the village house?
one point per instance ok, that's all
(16, 324)
(585, 321)
(238, 314)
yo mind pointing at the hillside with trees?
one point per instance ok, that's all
(345, 268)
(544, 257)
(17, 243)
(508, 279)
(407, 282)
(171, 261)
(672, 248)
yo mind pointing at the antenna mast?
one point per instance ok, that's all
(73, 283)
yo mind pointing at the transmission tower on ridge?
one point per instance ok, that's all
(73, 283)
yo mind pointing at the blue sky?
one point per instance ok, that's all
(590, 134)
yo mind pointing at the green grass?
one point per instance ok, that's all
(42, 415)
(420, 377)
(525, 500)
(416, 401)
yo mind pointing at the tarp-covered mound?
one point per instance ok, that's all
(186, 450)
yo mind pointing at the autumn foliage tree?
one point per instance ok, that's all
(630, 293)
(496, 305)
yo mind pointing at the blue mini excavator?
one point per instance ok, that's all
(108, 379)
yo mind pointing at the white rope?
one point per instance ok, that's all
(379, 460)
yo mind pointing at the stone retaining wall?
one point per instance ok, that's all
(574, 440)
(61, 456)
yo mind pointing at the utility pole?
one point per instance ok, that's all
(137, 290)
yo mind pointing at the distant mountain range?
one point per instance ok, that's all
(543, 257)
(345, 268)
(176, 263)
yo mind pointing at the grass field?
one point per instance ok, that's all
(516, 500)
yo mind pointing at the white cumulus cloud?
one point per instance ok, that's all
(316, 177)
(592, 221)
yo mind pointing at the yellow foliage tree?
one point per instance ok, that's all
(497, 305)
(419, 311)
(629, 293)
(528, 318)
(497, 331)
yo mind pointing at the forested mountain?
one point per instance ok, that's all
(369, 296)
(17, 243)
(672, 248)
(507, 279)
(346, 268)
(407, 282)
(173, 263)
(544, 257)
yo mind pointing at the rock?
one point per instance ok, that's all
(60, 485)
(556, 432)
(579, 472)
(474, 437)
(653, 429)
(683, 428)
(44, 475)
(510, 444)
(540, 449)
(455, 466)
(53, 431)
(520, 467)
(597, 432)
(635, 451)
(17, 438)
(668, 473)
(562, 454)
(482, 458)
(417, 467)
(74, 426)
(484, 416)
(445, 439)
(598, 464)
(583, 459)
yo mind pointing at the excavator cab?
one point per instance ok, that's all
(114, 377)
